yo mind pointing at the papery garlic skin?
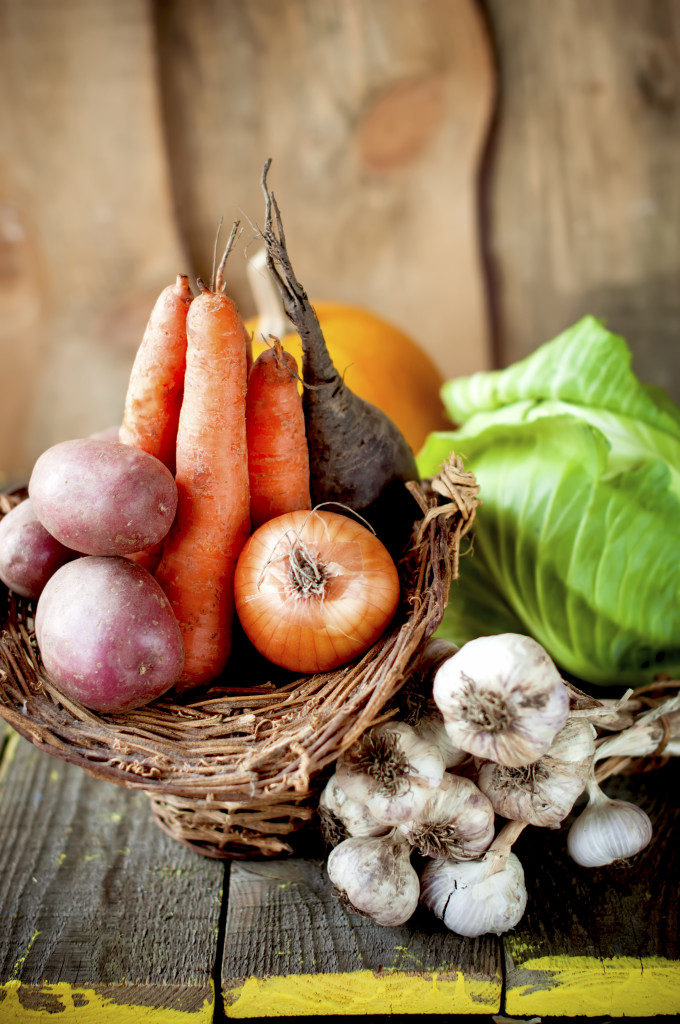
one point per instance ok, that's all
(470, 900)
(608, 830)
(391, 771)
(543, 792)
(394, 810)
(374, 876)
(457, 821)
(431, 727)
(502, 699)
(342, 817)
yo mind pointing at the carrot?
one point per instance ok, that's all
(148, 559)
(278, 460)
(154, 393)
(212, 521)
(358, 457)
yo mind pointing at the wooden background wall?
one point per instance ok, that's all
(482, 175)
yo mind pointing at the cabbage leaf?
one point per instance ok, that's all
(577, 539)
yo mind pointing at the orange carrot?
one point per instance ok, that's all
(278, 460)
(148, 559)
(212, 522)
(154, 393)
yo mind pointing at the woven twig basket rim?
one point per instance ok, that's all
(242, 748)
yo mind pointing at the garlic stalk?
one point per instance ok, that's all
(656, 731)
(375, 877)
(478, 897)
(342, 817)
(612, 714)
(502, 699)
(543, 792)
(607, 830)
(390, 770)
(456, 822)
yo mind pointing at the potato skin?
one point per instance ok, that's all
(100, 497)
(107, 634)
(29, 555)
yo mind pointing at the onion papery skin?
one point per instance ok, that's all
(324, 630)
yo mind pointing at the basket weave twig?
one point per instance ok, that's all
(235, 770)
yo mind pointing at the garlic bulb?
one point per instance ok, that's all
(433, 653)
(342, 817)
(478, 897)
(391, 771)
(607, 830)
(456, 822)
(431, 727)
(502, 699)
(543, 792)
(374, 876)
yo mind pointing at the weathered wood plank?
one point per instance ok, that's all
(87, 233)
(592, 942)
(584, 182)
(292, 949)
(606, 940)
(104, 918)
(375, 115)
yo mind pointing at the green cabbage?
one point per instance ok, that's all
(577, 539)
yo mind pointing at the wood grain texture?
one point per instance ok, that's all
(292, 948)
(87, 234)
(584, 187)
(105, 919)
(601, 940)
(99, 909)
(375, 115)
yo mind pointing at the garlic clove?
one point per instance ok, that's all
(607, 830)
(502, 698)
(470, 900)
(543, 792)
(457, 821)
(375, 877)
(342, 817)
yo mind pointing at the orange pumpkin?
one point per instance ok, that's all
(380, 363)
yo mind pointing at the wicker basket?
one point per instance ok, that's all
(236, 770)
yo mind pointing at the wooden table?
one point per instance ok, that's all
(106, 919)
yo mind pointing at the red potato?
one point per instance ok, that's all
(29, 555)
(107, 634)
(101, 497)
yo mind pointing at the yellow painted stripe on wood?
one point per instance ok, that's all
(362, 992)
(9, 752)
(72, 1005)
(573, 986)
